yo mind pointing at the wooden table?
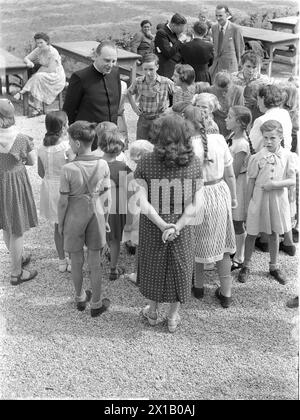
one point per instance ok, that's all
(288, 23)
(83, 51)
(10, 64)
(271, 40)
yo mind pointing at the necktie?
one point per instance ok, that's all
(220, 40)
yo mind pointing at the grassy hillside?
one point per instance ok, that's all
(78, 20)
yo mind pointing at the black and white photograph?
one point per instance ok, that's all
(149, 202)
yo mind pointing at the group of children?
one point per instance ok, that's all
(84, 192)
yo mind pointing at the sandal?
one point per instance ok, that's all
(82, 305)
(26, 260)
(115, 273)
(173, 323)
(16, 280)
(146, 314)
(236, 265)
(98, 311)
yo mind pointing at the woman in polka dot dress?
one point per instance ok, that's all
(171, 172)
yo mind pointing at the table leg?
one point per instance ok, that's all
(270, 61)
(133, 73)
(25, 95)
(7, 83)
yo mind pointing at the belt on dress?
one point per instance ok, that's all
(215, 181)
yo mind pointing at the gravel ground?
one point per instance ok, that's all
(51, 351)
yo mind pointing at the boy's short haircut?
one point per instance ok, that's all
(83, 131)
(272, 95)
(178, 19)
(110, 141)
(271, 125)
(200, 28)
(150, 58)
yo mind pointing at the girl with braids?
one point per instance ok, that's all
(271, 172)
(238, 120)
(214, 234)
(51, 158)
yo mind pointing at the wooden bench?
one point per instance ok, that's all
(12, 65)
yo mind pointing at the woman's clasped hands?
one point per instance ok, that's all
(170, 233)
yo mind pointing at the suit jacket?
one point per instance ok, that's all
(232, 49)
(167, 48)
(199, 53)
(92, 96)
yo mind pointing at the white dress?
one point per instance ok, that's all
(269, 211)
(53, 159)
(240, 145)
(45, 86)
(214, 231)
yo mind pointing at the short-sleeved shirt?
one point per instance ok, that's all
(266, 166)
(71, 180)
(218, 153)
(241, 145)
(153, 97)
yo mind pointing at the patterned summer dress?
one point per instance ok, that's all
(45, 86)
(17, 207)
(165, 270)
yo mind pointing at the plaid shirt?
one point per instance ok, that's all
(153, 97)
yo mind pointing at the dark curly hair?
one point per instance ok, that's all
(172, 141)
(272, 95)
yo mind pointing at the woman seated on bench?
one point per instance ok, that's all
(49, 80)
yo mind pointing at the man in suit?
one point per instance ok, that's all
(167, 45)
(199, 53)
(228, 43)
(94, 92)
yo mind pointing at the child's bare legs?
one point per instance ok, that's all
(224, 272)
(249, 248)
(288, 238)
(96, 278)
(15, 246)
(114, 253)
(77, 260)
(59, 243)
(240, 237)
(274, 250)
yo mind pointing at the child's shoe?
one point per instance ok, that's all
(151, 317)
(173, 323)
(69, 267)
(98, 311)
(198, 292)
(224, 300)
(278, 276)
(115, 273)
(243, 274)
(82, 305)
(293, 303)
(263, 246)
(288, 249)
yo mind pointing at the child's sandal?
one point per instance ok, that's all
(115, 273)
(236, 265)
(16, 280)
